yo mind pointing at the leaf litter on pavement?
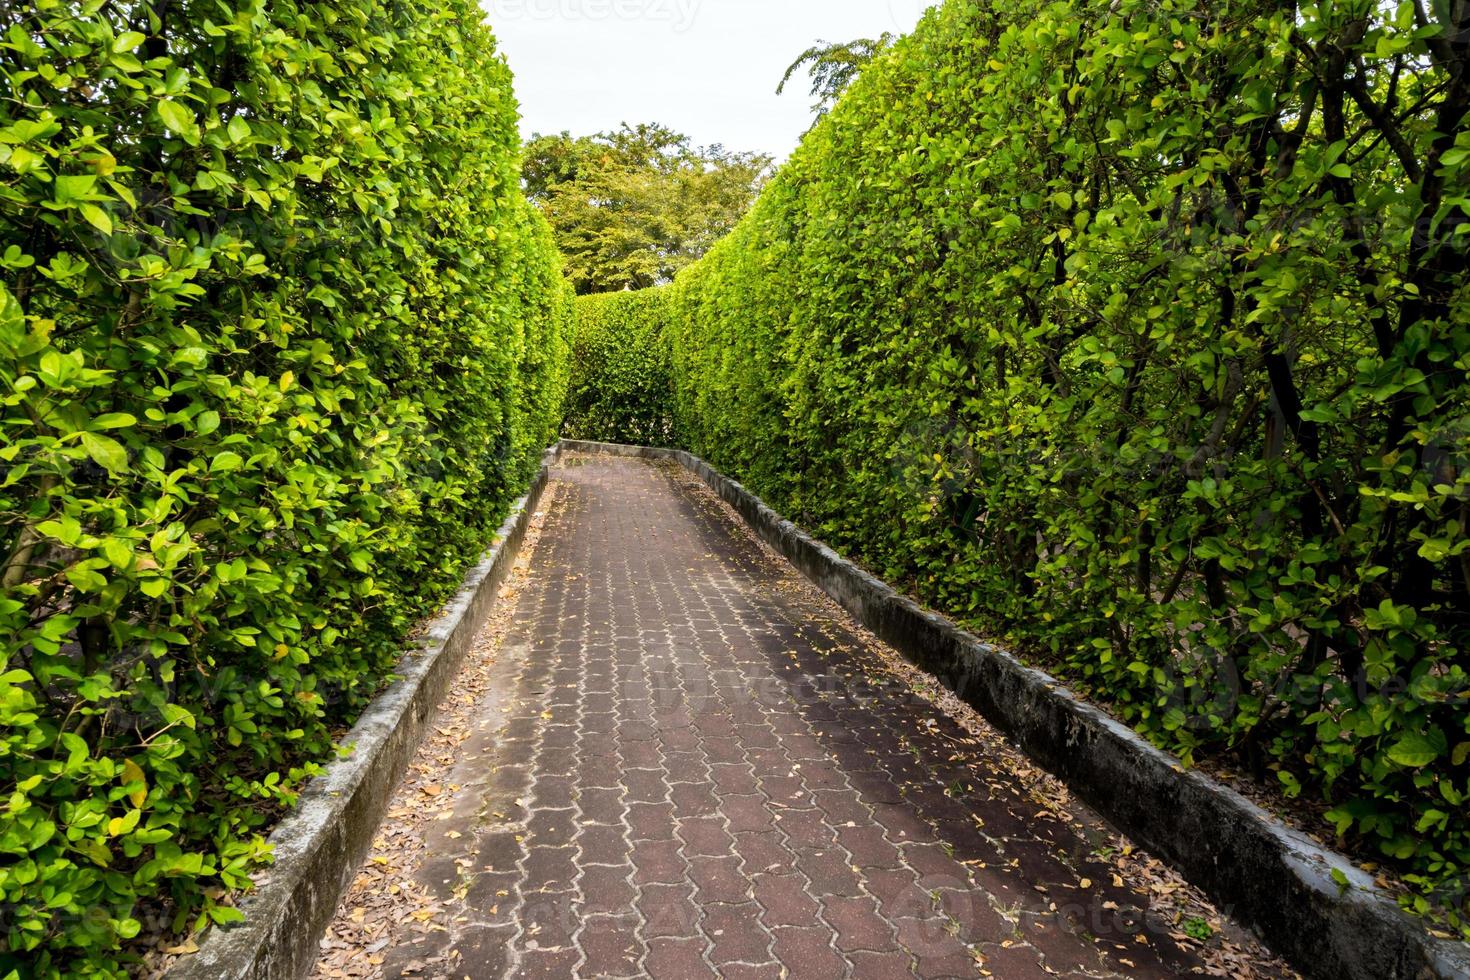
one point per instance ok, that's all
(1226, 948)
(389, 904)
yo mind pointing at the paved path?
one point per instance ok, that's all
(706, 771)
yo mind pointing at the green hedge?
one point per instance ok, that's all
(621, 390)
(1139, 336)
(279, 340)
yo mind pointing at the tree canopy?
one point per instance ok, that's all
(632, 207)
(832, 66)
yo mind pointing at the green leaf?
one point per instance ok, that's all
(112, 420)
(238, 130)
(86, 578)
(1431, 818)
(118, 552)
(74, 188)
(177, 715)
(224, 915)
(96, 851)
(106, 452)
(97, 218)
(226, 462)
(176, 117)
(127, 41)
(1415, 750)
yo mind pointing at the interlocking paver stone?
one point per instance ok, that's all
(708, 771)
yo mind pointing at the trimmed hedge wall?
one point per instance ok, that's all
(621, 390)
(280, 339)
(1140, 337)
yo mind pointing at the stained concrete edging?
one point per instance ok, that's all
(321, 844)
(1271, 878)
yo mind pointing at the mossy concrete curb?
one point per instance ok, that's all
(1273, 879)
(322, 843)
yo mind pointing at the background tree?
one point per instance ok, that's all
(630, 208)
(832, 68)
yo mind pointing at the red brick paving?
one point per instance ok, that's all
(707, 772)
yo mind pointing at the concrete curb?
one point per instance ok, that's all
(321, 844)
(1273, 879)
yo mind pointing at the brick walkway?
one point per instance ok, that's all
(705, 771)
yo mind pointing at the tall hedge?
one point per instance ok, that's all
(621, 390)
(279, 340)
(1139, 335)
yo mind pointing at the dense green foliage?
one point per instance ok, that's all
(621, 390)
(630, 208)
(1139, 333)
(280, 337)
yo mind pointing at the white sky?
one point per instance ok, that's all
(708, 68)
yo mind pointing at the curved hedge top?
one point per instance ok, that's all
(1140, 335)
(279, 340)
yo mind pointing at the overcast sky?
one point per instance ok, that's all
(708, 68)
